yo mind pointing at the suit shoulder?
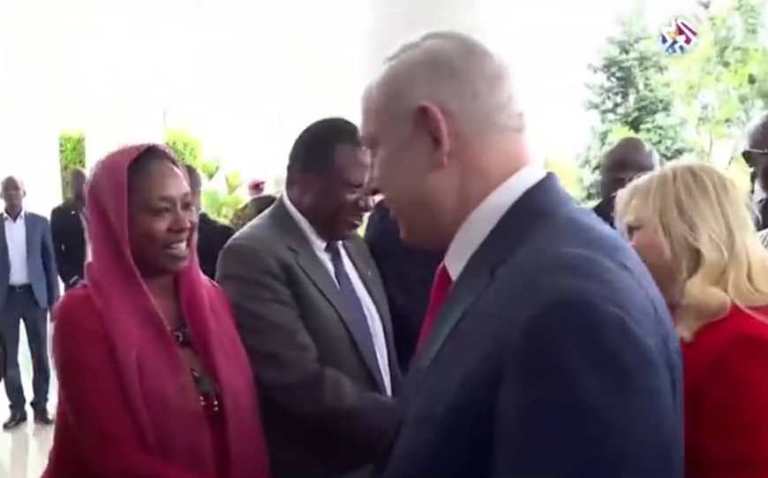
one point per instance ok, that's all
(37, 217)
(575, 257)
(259, 233)
(256, 243)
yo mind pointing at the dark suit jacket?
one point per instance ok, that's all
(3, 358)
(407, 273)
(605, 209)
(553, 357)
(40, 262)
(68, 243)
(211, 237)
(324, 411)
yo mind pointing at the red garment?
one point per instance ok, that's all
(441, 286)
(726, 398)
(128, 406)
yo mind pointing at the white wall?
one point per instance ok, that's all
(247, 76)
(28, 131)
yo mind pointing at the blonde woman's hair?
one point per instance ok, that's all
(706, 223)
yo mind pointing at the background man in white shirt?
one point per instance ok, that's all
(28, 289)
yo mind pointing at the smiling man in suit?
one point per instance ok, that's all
(313, 315)
(546, 350)
(28, 289)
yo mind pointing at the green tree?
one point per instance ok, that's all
(189, 150)
(723, 82)
(567, 173)
(632, 95)
(218, 202)
(71, 156)
(688, 104)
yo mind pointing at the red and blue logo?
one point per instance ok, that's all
(678, 38)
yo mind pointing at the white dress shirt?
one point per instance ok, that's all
(371, 312)
(484, 218)
(85, 238)
(16, 237)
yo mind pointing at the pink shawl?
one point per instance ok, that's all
(156, 382)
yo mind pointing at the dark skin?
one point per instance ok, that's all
(78, 188)
(756, 154)
(162, 216)
(335, 202)
(162, 221)
(12, 191)
(628, 158)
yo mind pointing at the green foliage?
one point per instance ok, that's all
(221, 205)
(632, 95)
(722, 82)
(71, 156)
(567, 173)
(217, 202)
(684, 105)
(234, 181)
(189, 150)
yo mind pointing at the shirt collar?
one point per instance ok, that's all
(317, 242)
(479, 224)
(21, 217)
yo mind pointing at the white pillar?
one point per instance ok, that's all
(394, 22)
(28, 134)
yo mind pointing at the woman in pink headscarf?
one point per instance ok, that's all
(154, 381)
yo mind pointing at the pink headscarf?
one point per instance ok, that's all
(157, 384)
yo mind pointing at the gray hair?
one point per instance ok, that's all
(458, 73)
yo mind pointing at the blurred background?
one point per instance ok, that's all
(230, 84)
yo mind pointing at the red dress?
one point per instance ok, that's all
(96, 435)
(726, 398)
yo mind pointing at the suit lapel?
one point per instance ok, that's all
(474, 279)
(543, 200)
(320, 276)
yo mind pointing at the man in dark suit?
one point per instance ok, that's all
(756, 157)
(628, 158)
(407, 273)
(313, 313)
(28, 289)
(211, 234)
(547, 350)
(68, 232)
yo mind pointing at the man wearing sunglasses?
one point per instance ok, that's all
(756, 156)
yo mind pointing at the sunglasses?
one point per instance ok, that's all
(752, 155)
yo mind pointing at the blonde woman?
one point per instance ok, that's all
(692, 227)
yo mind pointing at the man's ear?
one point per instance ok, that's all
(432, 122)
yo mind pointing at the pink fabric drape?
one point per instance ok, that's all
(156, 382)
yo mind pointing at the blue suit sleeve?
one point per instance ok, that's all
(580, 387)
(49, 264)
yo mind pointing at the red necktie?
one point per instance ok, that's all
(440, 288)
